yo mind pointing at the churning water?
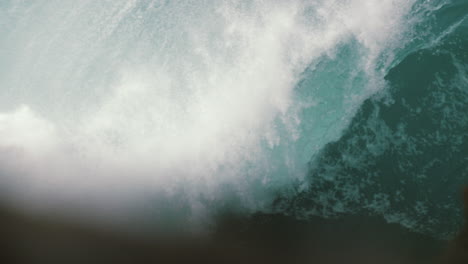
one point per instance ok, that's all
(175, 110)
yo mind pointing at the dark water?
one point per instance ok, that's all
(404, 155)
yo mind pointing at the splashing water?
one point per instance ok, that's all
(184, 107)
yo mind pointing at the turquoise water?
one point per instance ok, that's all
(404, 154)
(174, 111)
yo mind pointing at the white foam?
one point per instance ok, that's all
(145, 95)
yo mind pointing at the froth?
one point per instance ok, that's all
(158, 96)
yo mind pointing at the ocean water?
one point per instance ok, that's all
(175, 111)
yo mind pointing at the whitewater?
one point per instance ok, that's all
(174, 110)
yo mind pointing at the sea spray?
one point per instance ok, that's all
(176, 109)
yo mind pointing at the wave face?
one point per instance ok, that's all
(174, 111)
(404, 155)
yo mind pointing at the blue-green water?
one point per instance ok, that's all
(405, 154)
(178, 110)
